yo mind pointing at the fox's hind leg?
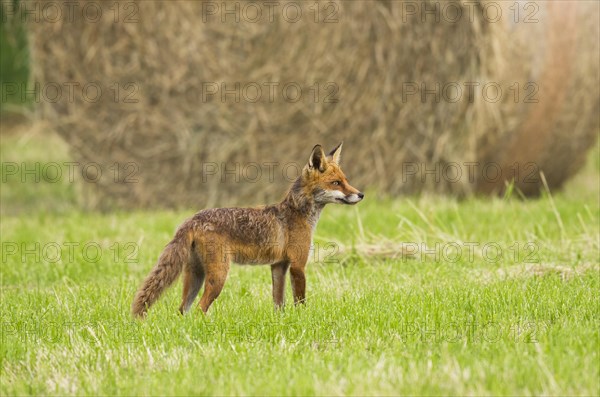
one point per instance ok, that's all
(191, 286)
(216, 274)
(193, 277)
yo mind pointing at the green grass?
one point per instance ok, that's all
(522, 324)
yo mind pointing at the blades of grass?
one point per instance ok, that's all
(553, 205)
(510, 186)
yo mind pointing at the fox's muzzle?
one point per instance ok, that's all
(352, 198)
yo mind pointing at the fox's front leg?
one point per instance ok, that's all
(298, 259)
(298, 280)
(278, 272)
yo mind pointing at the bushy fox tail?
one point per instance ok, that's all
(166, 271)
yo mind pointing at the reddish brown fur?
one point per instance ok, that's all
(278, 234)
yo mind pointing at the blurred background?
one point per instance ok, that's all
(150, 104)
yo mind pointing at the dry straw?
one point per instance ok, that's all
(374, 55)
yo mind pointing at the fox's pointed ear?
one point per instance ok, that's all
(336, 154)
(317, 159)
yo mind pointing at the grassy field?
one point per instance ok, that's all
(497, 296)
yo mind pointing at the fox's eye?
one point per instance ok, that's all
(335, 183)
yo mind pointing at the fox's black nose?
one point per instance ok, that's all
(361, 195)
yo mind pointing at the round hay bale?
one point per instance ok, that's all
(552, 127)
(203, 106)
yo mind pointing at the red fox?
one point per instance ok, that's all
(278, 234)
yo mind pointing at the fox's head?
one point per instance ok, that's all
(323, 178)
